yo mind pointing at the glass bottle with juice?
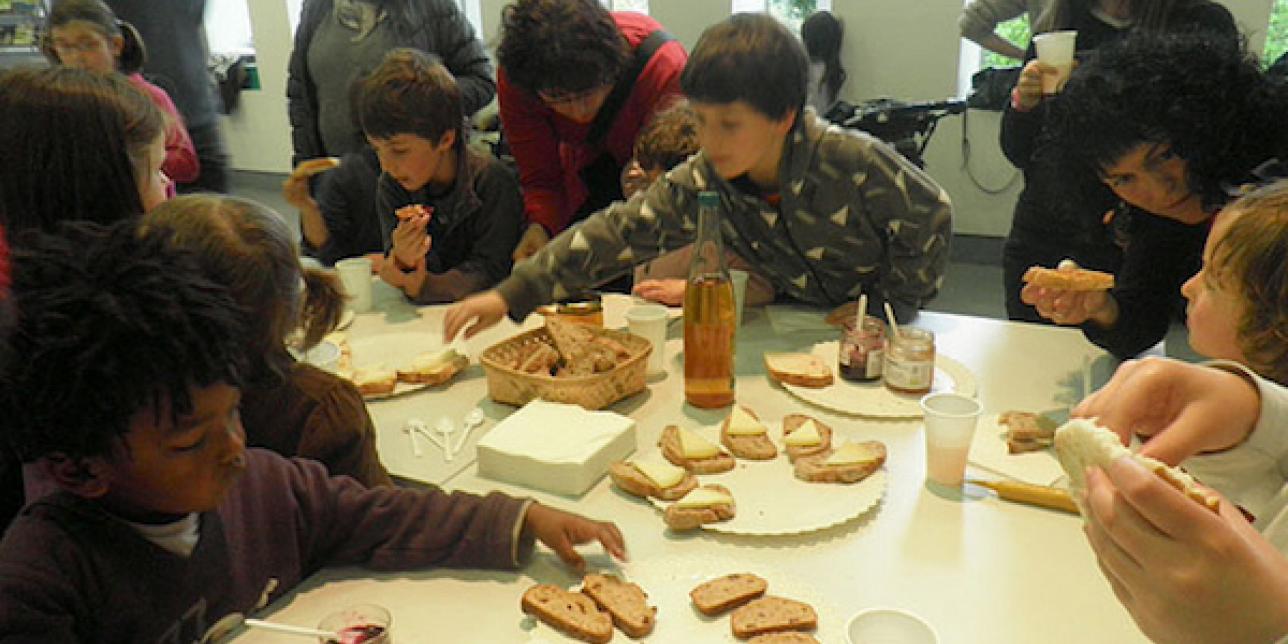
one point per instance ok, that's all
(709, 314)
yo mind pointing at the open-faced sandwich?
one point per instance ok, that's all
(1026, 431)
(849, 463)
(802, 369)
(652, 477)
(805, 436)
(745, 436)
(707, 504)
(1069, 279)
(433, 368)
(693, 452)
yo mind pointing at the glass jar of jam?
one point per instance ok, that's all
(862, 351)
(910, 361)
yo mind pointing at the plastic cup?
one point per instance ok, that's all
(739, 280)
(355, 276)
(1056, 49)
(359, 624)
(950, 424)
(648, 321)
(889, 626)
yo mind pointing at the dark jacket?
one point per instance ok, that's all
(474, 228)
(434, 26)
(71, 572)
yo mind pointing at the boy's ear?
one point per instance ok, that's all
(84, 477)
(448, 140)
(784, 125)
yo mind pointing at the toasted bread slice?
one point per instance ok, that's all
(433, 368)
(816, 469)
(573, 614)
(756, 447)
(793, 422)
(632, 481)
(723, 593)
(373, 381)
(680, 519)
(670, 444)
(786, 637)
(626, 602)
(574, 343)
(803, 369)
(1026, 431)
(771, 614)
(1069, 279)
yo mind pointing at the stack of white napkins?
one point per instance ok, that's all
(555, 447)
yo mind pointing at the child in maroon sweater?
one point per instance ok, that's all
(125, 386)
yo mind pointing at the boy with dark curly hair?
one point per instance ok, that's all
(576, 84)
(822, 212)
(166, 528)
(449, 216)
(1172, 124)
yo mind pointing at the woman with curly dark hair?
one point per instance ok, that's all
(1173, 125)
(1051, 221)
(576, 84)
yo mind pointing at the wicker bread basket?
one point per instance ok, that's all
(509, 385)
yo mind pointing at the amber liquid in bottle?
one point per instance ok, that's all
(709, 315)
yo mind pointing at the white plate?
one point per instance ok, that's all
(874, 399)
(988, 450)
(668, 580)
(770, 500)
(391, 351)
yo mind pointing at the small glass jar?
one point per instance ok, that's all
(910, 361)
(862, 351)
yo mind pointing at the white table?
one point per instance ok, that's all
(979, 569)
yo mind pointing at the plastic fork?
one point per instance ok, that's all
(410, 431)
(445, 429)
(472, 420)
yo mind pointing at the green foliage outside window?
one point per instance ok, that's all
(1277, 32)
(1018, 32)
(792, 12)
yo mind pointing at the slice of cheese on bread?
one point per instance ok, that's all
(652, 477)
(373, 381)
(802, 369)
(807, 435)
(745, 436)
(742, 423)
(694, 446)
(693, 452)
(434, 367)
(707, 504)
(1081, 443)
(849, 463)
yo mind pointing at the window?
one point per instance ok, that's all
(1017, 31)
(638, 6)
(790, 12)
(1277, 32)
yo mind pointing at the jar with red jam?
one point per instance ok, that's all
(861, 355)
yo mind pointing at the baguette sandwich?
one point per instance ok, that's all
(693, 452)
(1081, 443)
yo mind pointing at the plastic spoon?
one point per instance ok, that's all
(446, 428)
(472, 420)
(415, 445)
(293, 630)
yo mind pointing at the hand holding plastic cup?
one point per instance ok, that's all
(359, 624)
(1055, 49)
(355, 277)
(739, 280)
(649, 322)
(950, 424)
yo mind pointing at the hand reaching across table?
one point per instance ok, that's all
(483, 309)
(562, 531)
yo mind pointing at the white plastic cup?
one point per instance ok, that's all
(648, 321)
(355, 276)
(350, 621)
(1056, 49)
(950, 425)
(889, 626)
(739, 280)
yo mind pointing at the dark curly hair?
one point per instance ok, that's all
(133, 53)
(72, 146)
(1201, 94)
(565, 46)
(411, 92)
(749, 57)
(250, 250)
(112, 323)
(668, 139)
(1251, 259)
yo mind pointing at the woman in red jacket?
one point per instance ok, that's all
(576, 84)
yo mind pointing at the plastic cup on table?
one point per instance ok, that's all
(739, 280)
(355, 277)
(1056, 49)
(359, 624)
(889, 626)
(950, 420)
(648, 321)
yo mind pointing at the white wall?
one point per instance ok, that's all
(907, 49)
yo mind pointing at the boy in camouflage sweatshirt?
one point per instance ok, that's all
(823, 212)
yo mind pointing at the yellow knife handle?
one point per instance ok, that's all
(1039, 495)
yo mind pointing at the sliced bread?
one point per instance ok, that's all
(674, 452)
(755, 447)
(816, 468)
(786, 637)
(793, 422)
(632, 480)
(626, 602)
(802, 369)
(680, 517)
(433, 368)
(771, 614)
(573, 614)
(723, 593)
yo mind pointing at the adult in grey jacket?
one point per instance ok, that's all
(339, 40)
